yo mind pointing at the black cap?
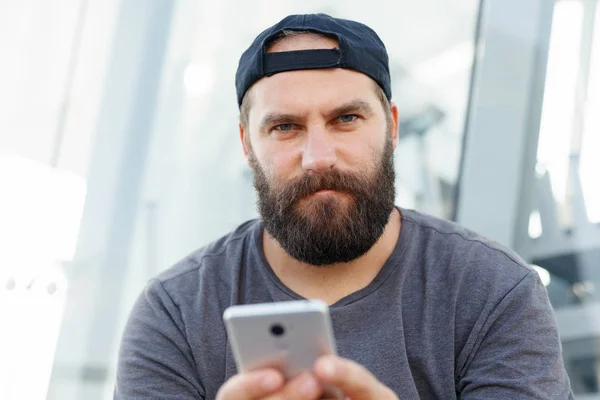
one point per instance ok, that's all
(359, 48)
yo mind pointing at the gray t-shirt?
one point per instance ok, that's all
(450, 315)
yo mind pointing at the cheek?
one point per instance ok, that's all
(277, 165)
(361, 154)
(359, 149)
(280, 161)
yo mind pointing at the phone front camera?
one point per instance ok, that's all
(277, 330)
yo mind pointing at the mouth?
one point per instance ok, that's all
(326, 193)
(332, 197)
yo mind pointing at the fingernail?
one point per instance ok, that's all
(270, 382)
(328, 368)
(308, 386)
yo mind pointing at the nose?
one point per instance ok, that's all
(319, 151)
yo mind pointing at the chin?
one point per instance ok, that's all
(327, 209)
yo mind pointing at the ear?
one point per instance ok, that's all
(395, 123)
(244, 137)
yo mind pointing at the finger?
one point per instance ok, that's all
(353, 379)
(303, 387)
(251, 385)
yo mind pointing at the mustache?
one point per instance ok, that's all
(311, 183)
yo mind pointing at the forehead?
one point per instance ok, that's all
(304, 91)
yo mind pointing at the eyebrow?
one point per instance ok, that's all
(275, 118)
(351, 107)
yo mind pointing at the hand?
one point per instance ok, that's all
(268, 384)
(354, 380)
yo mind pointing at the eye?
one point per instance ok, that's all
(284, 127)
(347, 118)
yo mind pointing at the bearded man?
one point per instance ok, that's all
(421, 308)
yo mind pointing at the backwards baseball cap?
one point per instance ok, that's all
(359, 48)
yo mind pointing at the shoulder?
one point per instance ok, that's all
(452, 234)
(465, 251)
(479, 280)
(216, 258)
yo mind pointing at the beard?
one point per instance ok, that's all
(328, 228)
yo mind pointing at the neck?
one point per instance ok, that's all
(333, 282)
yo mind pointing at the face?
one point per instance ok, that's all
(321, 147)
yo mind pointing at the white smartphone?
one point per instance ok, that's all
(288, 336)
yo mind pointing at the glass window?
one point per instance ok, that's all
(565, 224)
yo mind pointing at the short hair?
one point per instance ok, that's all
(246, 101)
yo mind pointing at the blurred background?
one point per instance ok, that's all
(120, 155)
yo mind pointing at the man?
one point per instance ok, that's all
(421, 308)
